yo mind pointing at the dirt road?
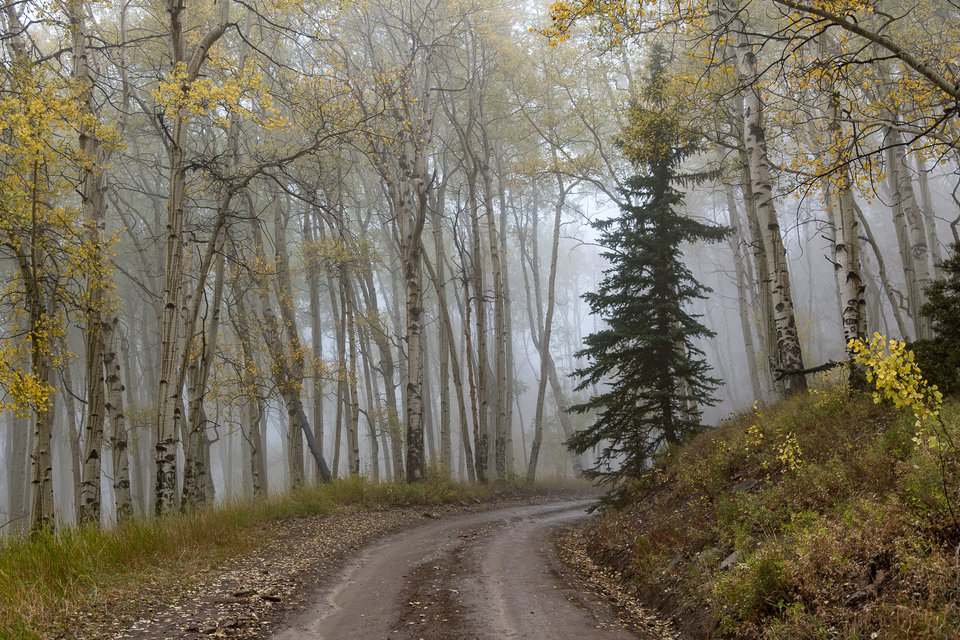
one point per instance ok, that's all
(477, 576)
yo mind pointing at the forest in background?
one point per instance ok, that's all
(248, 246)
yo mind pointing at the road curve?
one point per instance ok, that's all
(483, 576)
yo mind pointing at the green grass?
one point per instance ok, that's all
(43, 577)
(842, 485)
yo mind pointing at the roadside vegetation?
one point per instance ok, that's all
(826, 515)
(43, 576)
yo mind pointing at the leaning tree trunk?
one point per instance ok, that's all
(288, 380)
(882, 272)
(545, 337)
(788, 340)
(448, 333)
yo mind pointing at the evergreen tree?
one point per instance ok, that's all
(939, 358)
(653, 375)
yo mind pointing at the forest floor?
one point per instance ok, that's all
(823, 516)
(289, 575)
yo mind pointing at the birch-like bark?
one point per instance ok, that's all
(353, 426)
(448, 332)
(846, 247)
(294, 348)
(387, 370)
(316, 334)
(929, 219)
(118, 422)
(482, 430)
(373, 403)
(788, 340)
(743, 287)
(92, 205)
(254, 404)
(544, 347)
(501, 406)
(169, 400)
(443, 349)
(288, 379)
(882, 273)
(197, 481)
(908, 220)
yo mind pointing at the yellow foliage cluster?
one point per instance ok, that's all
(785, 448)
(244, 94)
(896, 376)
(40, 117)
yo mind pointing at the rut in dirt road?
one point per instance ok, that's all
(487, 576)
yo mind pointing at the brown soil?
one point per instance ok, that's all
(247, 596)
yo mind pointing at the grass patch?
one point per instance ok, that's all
(48, 576)
(821, 517)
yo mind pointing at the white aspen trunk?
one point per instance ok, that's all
(501, 407)
(169, 398)
(544, 346)
(339, 312)
(448, 332)
(316, 335)
(254, 404)
(414, 398)
(353, 427)
(846, 235)
(743, 304)
(16, 469)
(507, 337)
(443, 348)
(118, 423)
(92, 209)
(284, 293)
(479, 461)
(788, 341)
(428, 422)
(882, 273)
(909, 222)
(197, 481)
(41, 459)
(373, 403)
(388, 372)
(71, 427)
(929, 220)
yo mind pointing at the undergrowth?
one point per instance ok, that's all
(828, 515)
(44, 576)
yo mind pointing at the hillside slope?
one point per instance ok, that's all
(822, 517)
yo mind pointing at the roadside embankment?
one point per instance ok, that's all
(825, 516)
